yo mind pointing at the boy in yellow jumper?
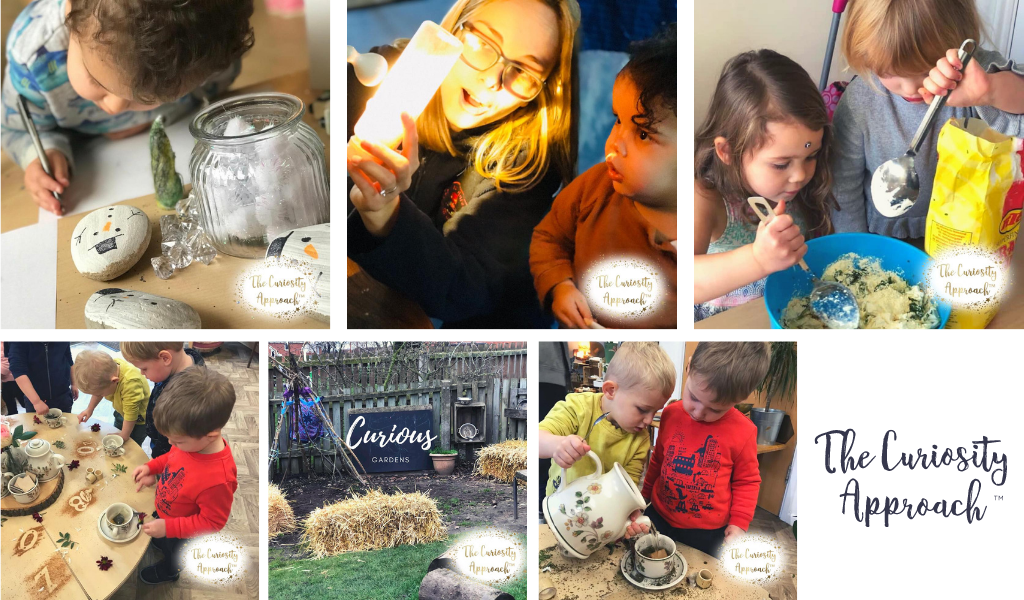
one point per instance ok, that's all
(99, 374)
(638, 383)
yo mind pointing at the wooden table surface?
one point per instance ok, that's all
(754, 315)
(600, 576)
(373, 305)
(33, 565)
(211, 290)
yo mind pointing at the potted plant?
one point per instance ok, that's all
(779, 381)
(444, 460)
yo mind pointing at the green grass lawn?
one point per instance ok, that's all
(392, 574)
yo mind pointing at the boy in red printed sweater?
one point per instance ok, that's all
(198, 477)
(703, 480)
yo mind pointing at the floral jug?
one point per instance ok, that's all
(593, 510)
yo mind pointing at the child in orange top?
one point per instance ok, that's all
(703, 479)
(625, 207)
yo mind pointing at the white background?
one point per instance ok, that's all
(947, 388)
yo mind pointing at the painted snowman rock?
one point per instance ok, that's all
(109, 241)
(309, 246)
(115, 308)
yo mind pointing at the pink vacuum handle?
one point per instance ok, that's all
(838, 6)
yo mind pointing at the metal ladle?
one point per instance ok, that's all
(832, 302)
(895, 185)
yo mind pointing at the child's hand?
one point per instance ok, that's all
(965, 89)
(732, 532)
(40, 406)
(570, 449)
(140, 471)
(634, 528)
(84, 416)
(779, 244)
(156, 528)
(145, 481)
(570, 307)
(40, 185)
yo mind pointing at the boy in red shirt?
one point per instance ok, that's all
(703, 480)
(198, 477)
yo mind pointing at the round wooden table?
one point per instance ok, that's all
(600, 577)
(35, 566)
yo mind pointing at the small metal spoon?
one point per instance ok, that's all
(832, 302)
(598, 420)
(895, 185)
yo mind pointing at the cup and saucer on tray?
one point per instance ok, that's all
(119, 523)
(665, 571)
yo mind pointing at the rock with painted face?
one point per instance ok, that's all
(109, 241)
(309, 247)
(116, 308)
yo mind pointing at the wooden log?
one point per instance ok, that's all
(443, 584)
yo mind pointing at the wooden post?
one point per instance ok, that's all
(446, 414)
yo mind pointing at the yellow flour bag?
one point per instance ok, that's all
(972, 202)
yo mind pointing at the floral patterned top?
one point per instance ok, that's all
(739, 231)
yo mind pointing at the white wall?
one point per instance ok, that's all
(724, 28)
(799, 29)
(1017, 47)
(675, 351)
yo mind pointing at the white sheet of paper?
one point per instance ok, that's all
(110, 171)
(28, 280)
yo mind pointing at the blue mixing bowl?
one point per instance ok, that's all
(895, 255)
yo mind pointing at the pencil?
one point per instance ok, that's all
(30, 126)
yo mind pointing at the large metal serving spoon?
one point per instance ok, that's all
(832, 302)
(895, 185)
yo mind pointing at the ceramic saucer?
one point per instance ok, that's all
(676, 573)
(133, 531)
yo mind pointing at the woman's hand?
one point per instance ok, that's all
(381, 177)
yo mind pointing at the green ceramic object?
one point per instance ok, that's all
(165, 179)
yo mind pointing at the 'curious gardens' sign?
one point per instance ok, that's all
(397, 438)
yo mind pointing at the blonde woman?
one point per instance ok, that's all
(447, 220)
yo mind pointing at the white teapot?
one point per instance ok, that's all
(593, 510)
(42, 461)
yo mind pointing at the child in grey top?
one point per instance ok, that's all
(888, 42)
(109, 68)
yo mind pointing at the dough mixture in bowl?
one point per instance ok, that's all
(885, 299)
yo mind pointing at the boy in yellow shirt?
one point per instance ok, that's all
(103, 376)
(638, 383)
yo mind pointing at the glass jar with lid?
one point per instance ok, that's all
(257, 170)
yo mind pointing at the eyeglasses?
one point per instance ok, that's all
(479, 53)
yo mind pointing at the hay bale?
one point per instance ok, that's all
(501, 461)
(281, 517)
(371, 522)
